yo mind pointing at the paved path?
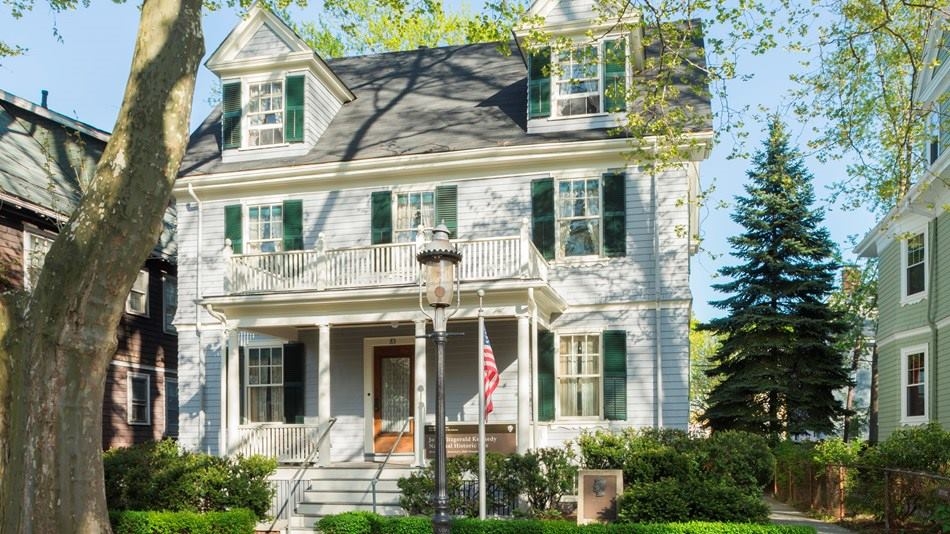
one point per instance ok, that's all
(786, 515)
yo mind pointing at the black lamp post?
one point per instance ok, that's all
(439, 258)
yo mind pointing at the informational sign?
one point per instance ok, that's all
(597, 491)
(462, 438)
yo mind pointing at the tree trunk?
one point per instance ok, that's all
(59, 342)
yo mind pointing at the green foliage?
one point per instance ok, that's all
(702, 345)
(671, 476)
(544, 476)
(236, 521)
(365, 523)
(778, 362)
(889, 473)
(501, 485)
(160, 476)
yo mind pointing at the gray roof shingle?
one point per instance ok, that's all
(416, 102)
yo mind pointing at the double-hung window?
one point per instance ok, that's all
(396, 215)
(579, 216)
(412, 211)
(578, 381)
(265, 113)
(265, 227)
(914, 267)
(139, 400)
(262, 113)
(588, 79)
(137, 301)
(914, 384)
(582, 375)
(265, 384)
(35, 248)
(169, 303)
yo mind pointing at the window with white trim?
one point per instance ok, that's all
(579, 375)
(139, 400)
(169, 303)
(137, 301)
(914, 384)
(584, 79)
(265, 113)
(578, 217)
(35, 248)
(914, 267)
(412, 210)
(265, 384)
(265, 228)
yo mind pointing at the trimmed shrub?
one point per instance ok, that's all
(710, 500)
(654, 502)
(160, 476)
(237, 521)
(544, 476)
(742, 458)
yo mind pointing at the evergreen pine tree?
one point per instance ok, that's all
(778, 363)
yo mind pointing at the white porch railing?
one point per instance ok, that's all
(286, 443)
(379, 265)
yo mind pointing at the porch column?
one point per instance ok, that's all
(419, 410)
(233, 402)
(323, 392)
(524, 382)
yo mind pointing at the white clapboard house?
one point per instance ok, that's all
(304, 198)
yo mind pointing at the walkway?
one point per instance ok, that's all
(784, 514)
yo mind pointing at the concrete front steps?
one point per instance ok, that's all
(346, 488)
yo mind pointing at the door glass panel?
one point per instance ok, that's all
(395, 393)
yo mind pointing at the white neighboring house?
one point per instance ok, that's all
(300, 206)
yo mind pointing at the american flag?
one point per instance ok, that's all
(490, 375)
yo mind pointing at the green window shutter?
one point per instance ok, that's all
(293, 109)
(542, 216)
(233, 226)
(615, 375)
(615, 215)
(381, 217)
(293, 224)
(231, 115)
(615, 75)
(539, 84)
(293, 383)
(545, 375)
(446, 208)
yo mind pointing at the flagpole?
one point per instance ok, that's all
(481, 407)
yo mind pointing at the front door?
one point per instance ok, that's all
(393, 387)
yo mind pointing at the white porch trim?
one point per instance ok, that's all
(323, 391)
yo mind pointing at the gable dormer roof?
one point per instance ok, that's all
(573, 16)
(263, 42)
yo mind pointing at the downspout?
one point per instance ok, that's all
(932, 323)
(658, 362)
(201, 357)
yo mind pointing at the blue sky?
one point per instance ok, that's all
(85, 73)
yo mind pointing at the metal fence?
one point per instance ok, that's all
(893, 498)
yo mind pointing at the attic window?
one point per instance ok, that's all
(587, 79)
(262, 113)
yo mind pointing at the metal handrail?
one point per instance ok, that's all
(294, 482)
(382, 466)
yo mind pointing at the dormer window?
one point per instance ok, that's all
(263, 113)
(588, 79)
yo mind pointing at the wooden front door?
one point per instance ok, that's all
(393, 394)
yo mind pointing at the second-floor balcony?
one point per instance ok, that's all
(325, 268)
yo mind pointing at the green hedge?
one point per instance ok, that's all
(158, 476)
(367, 523)
(237, 521)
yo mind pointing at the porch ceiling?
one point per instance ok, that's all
(379, 305)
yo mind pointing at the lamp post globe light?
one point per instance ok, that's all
(438, 259)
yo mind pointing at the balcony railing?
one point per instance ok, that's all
(380, 265)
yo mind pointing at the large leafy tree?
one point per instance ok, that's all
(778, 362)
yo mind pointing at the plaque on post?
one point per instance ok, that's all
(597, 492)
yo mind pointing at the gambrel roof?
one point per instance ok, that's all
(423, 101)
